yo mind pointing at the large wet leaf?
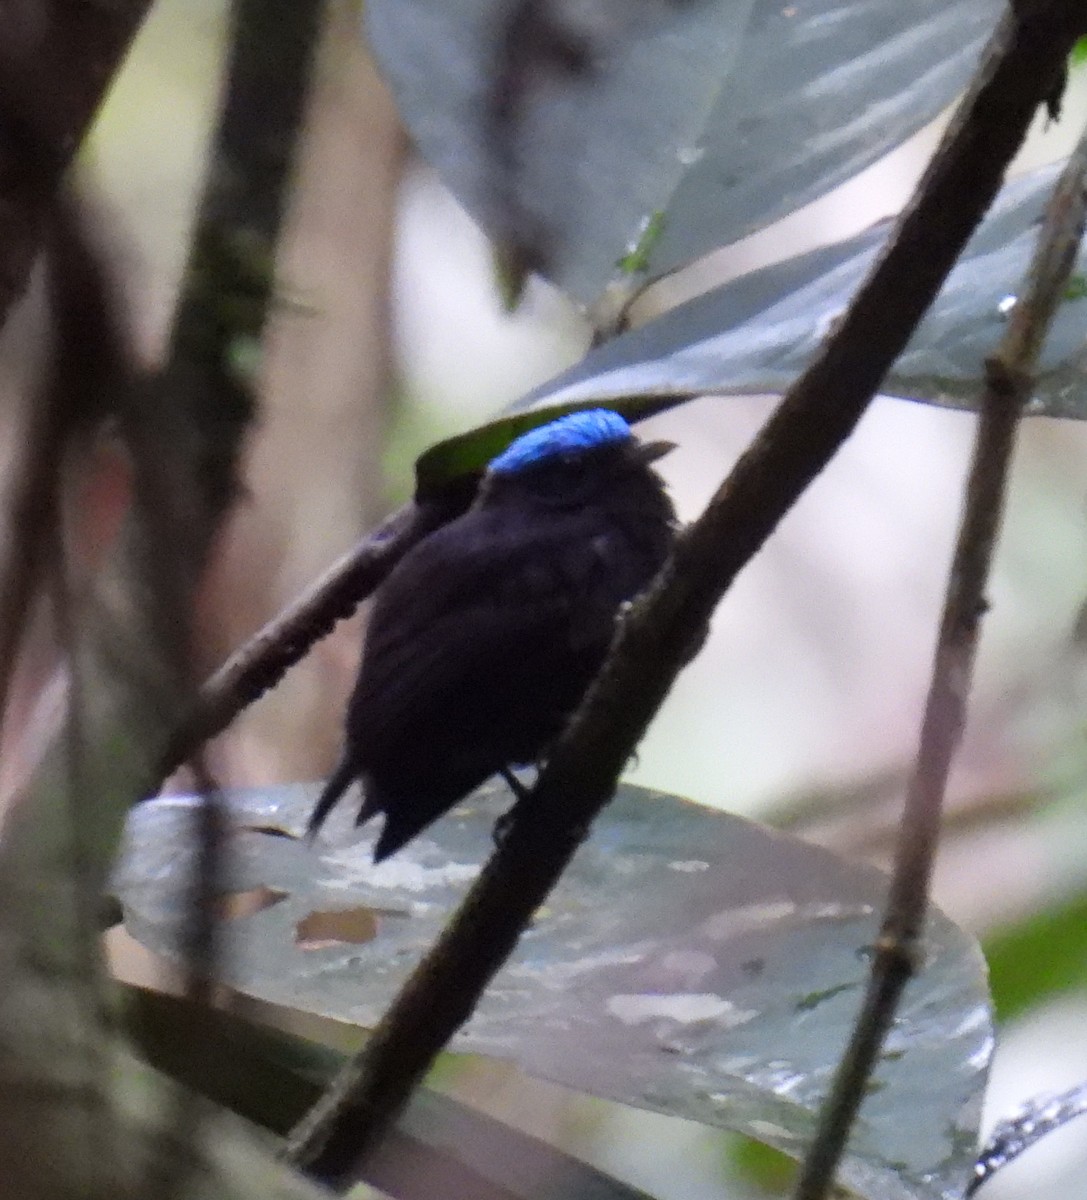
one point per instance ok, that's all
(690, 962)
(757, 333)
(696, 123)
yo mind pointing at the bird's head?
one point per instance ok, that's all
(578, 435)
(569, 459)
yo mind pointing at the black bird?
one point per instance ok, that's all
(487, 633)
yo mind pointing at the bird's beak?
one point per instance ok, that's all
(650, 451)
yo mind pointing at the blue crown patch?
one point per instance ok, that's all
(576, 431)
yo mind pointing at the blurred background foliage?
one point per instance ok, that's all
(389, 333)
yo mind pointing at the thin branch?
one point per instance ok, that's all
(1009, 384)
(121, 723)
(191, 432)
(207, 389)
(57, 58)
(665, 627)
(87, 377)
(33, 516)
(88, 346)
(188, 434)
(263, 661)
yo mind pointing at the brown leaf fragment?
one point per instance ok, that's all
(354, 926)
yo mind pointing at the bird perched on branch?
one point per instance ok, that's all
(485, 636)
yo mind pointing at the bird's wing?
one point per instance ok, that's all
(465, 624)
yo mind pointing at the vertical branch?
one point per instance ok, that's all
(189, 432)
(205, 395)
(57, 58)
(33, 516)
(1008, 386)
(132, 655)
(314, 469)
(89, 379)
(53, 1034)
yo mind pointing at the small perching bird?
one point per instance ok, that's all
(485, 636)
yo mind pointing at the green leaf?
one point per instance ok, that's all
(1044, 956)
(636, 259)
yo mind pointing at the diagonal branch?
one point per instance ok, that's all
(661, 632)
(286, 639)
(1009, 384)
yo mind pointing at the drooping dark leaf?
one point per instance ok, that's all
(757, 333)
(625, 138)
(272, 1078)
(690, 962)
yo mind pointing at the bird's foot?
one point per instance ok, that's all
(514, 784)
(505, 822)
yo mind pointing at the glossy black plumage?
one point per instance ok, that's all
(487, 633)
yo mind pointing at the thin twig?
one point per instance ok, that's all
(1009, 384)
(286, 639)
(664, 628)
(45, 943)
(230, 284)
(88, 376)
(228, 293)
(86, 347)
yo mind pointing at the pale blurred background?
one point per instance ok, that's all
(391, 335)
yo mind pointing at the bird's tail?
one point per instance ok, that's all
(338, 783)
